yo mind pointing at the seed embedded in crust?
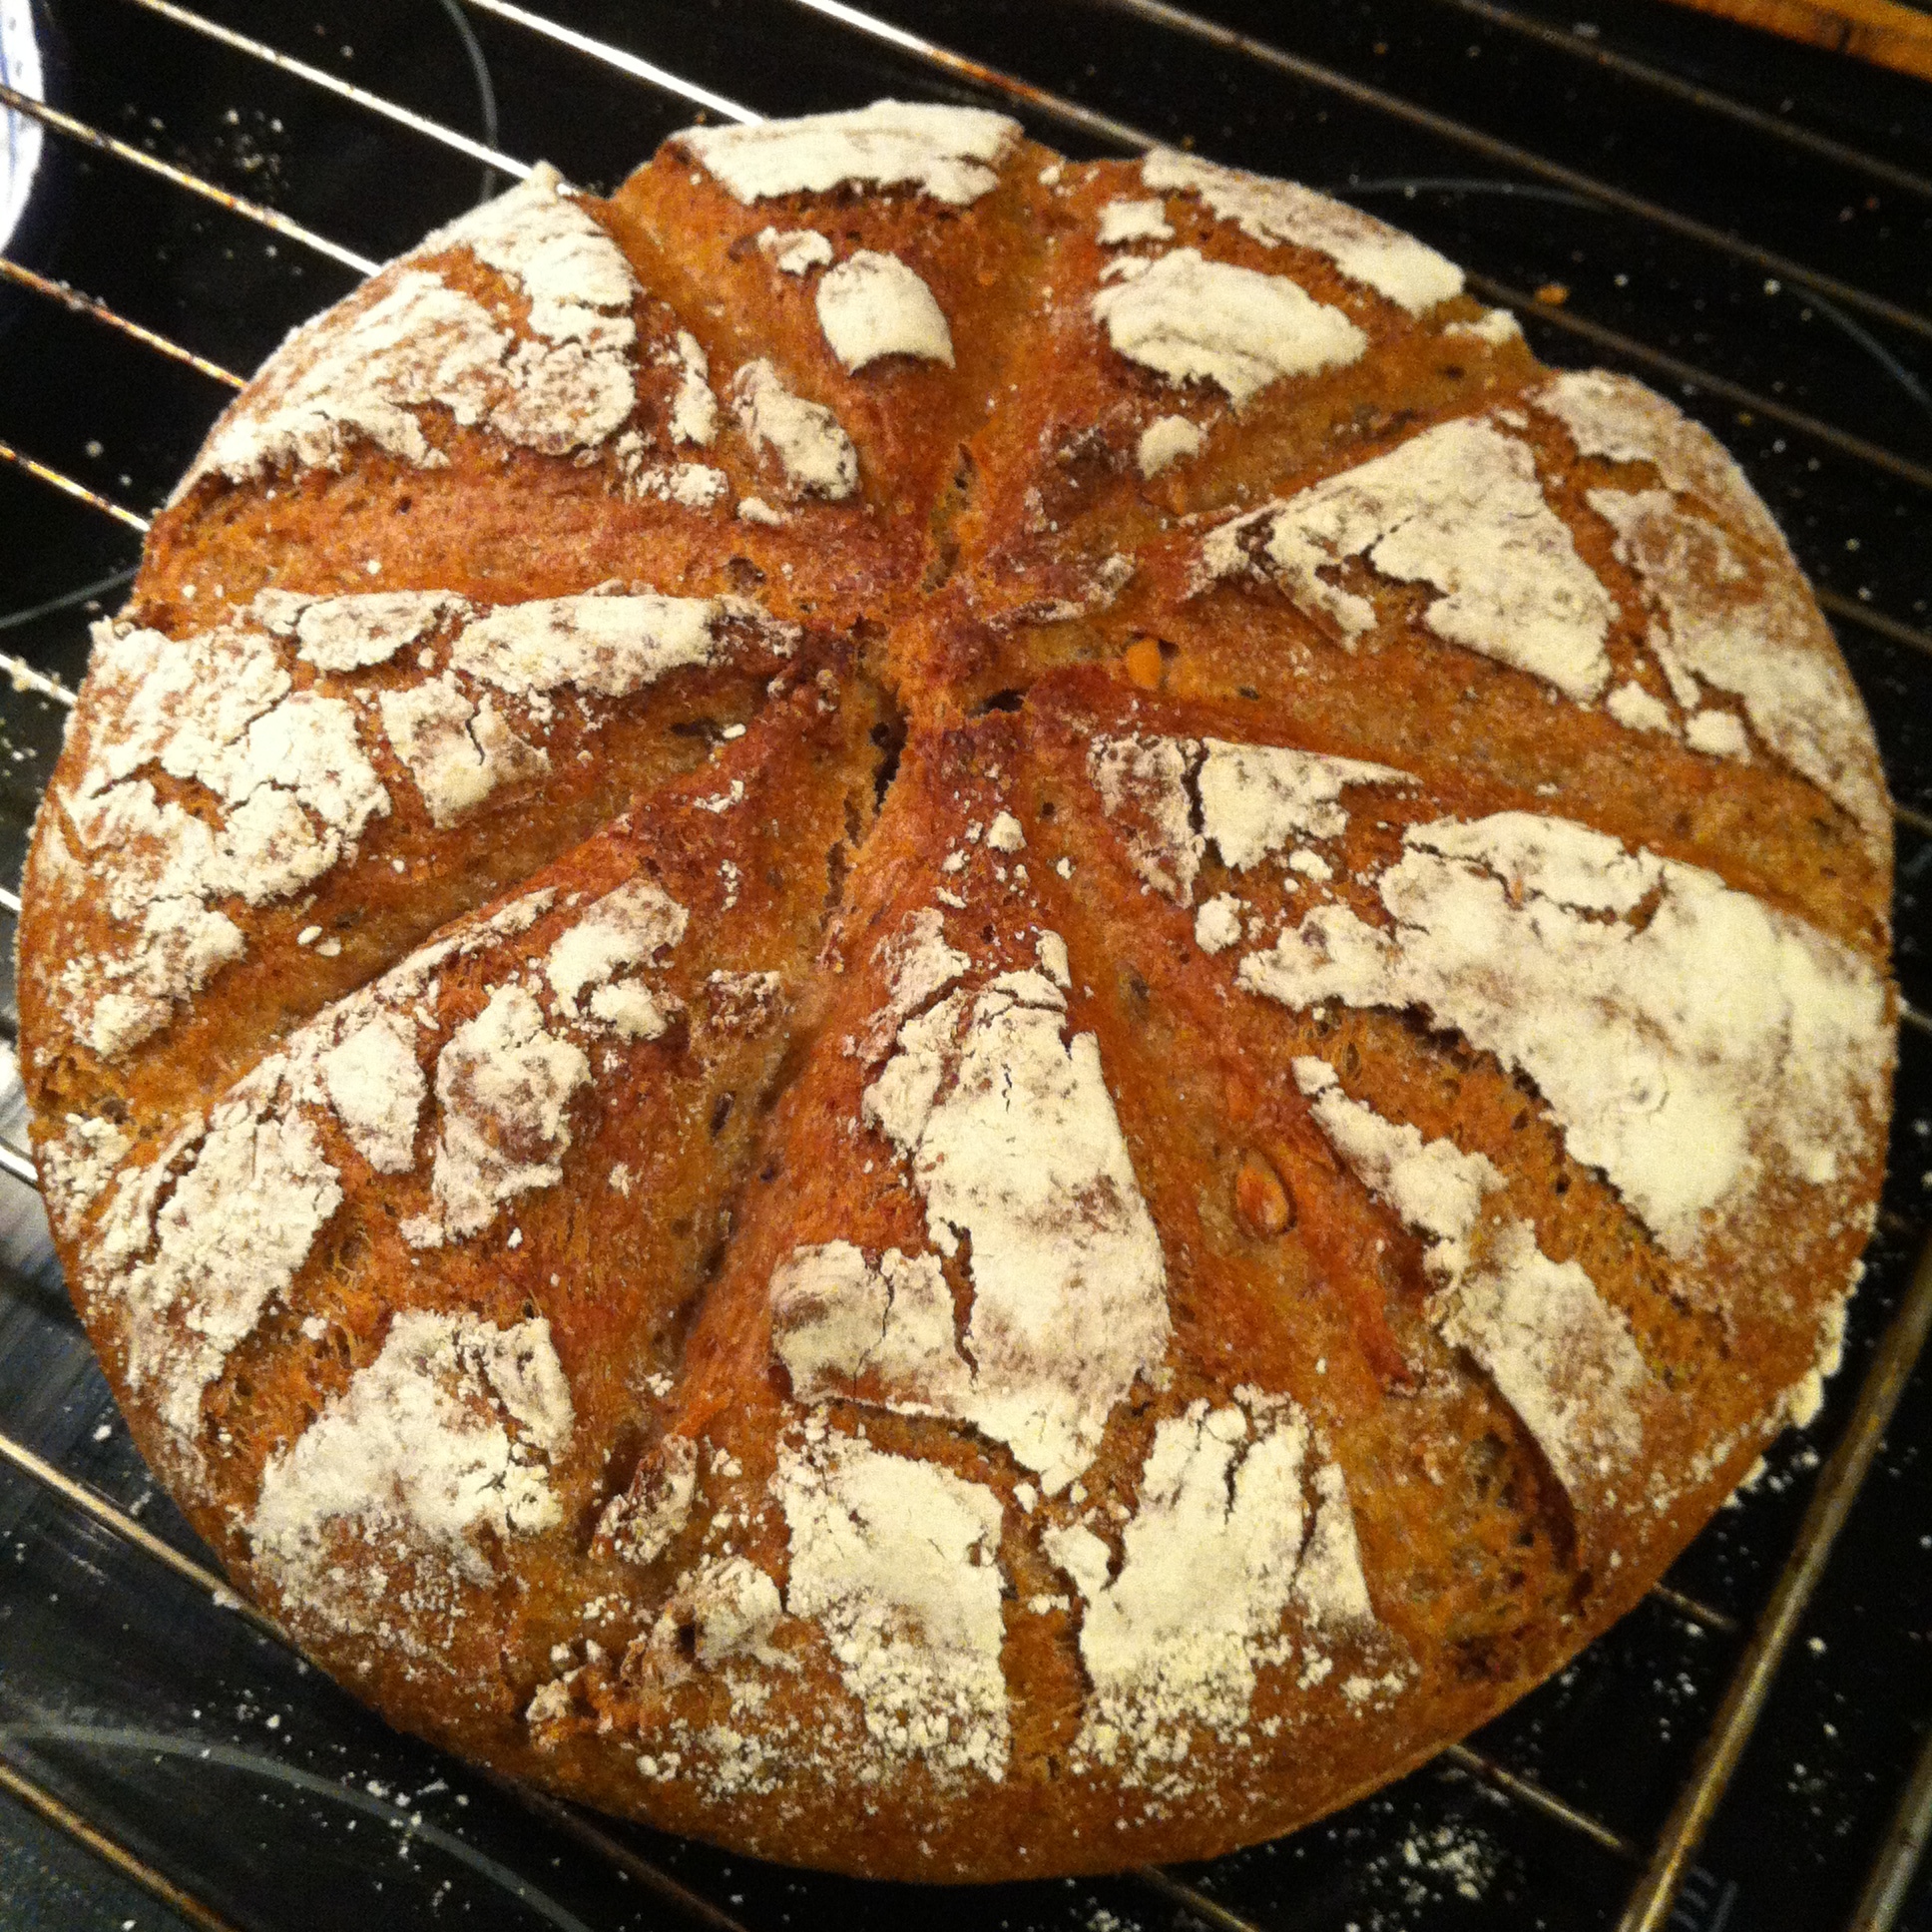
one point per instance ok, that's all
(1262, 1198)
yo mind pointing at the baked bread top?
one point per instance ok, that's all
(963, 1015)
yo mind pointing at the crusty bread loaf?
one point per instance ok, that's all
(962, 1016)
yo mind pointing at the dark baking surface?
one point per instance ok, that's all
(204, 1753)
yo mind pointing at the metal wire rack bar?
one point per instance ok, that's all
(72, 299)
(618, 58)
(65, 1819)
(1883, 1898)
(343, 90)
(1583, 47)
(1837, 1488)
(23, 676)
(58, 480)
(1057, 107)
(106, 144)
(1508, 155)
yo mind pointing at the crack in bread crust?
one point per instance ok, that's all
(751, 1005)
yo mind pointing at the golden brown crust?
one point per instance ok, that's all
(1067, 1027)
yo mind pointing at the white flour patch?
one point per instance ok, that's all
(951, 154)
(610, 646)
(1252, 801)
(1668, 1053)
(625, 928)
(1194, 321)
(1014, 1144)
(360, 372)
(1460, 508)
(458, 752)
(377, 1088)
(294, 792)
(896, 1560)
(873, 306)
(1559, 1354)
(813, 449)
(796, 251)
(349, 634)
(504, 1084)
(229, 1240)
(1209, 1567)
(448, 1433)
(1364, 249)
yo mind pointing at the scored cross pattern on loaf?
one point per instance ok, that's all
(960, 1015)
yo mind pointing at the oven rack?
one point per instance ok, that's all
(1667, 1888)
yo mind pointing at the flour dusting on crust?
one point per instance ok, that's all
(1675, 1053)
(287, 792)
(609, 646)
(360, 372)
(376, 1088)
(504, 1083)
(1458, 507)
(446, 1437)
(1209, 1567)
(1249, 800)
(1015, 1148)
(951, 154)
(1364, 249)
(194, 1278)
(896, 1560)
(873, 305)
(458, 750)
(1194, 321)
(624, 930)
(1559, 1354)
(346, 634)
(813, 449)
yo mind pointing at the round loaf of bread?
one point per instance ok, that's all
(962, 1016)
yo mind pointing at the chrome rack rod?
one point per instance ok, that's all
(1056, 106)
(89, 1502)
(1855, 610)
(1538, 1798)
(1608, 59)
(606, 54)
(1883, 1898)
(105, 143)
(16, 1785)
(72, 299)
(1192, 1900)
(1507, 153)
(59, 480)
(1694, 1610)
(569, 1819)
(332, 83)
(1838, 1486)
(23, 676)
